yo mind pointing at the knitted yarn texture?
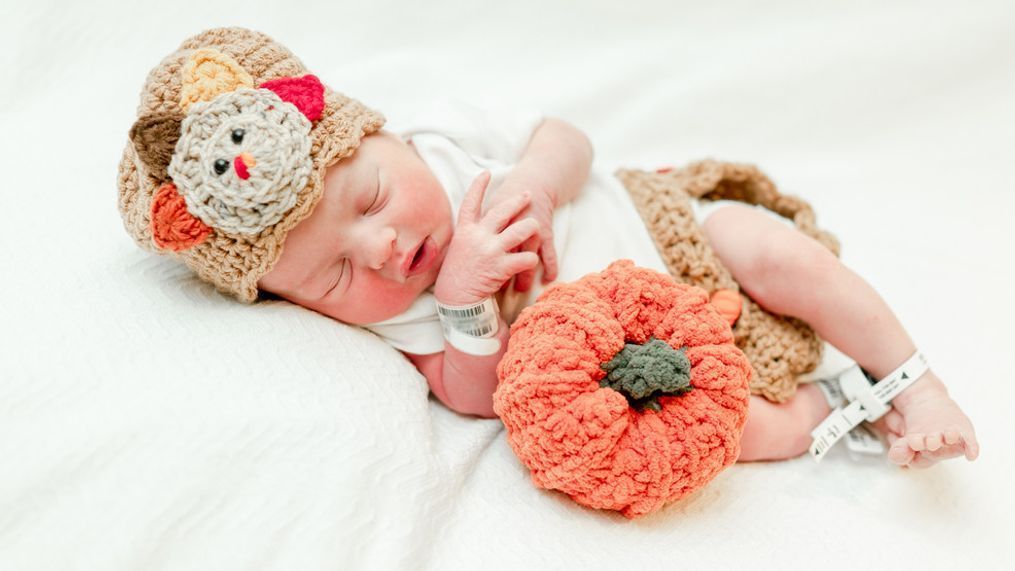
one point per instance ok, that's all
(228, 153)
(780, 348)
(583, 359)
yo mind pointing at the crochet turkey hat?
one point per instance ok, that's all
(228, 153)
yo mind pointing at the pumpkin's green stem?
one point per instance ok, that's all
(643, 373)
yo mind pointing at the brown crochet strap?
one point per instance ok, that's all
(715, 180)
(779, 347)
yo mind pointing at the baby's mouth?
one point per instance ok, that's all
(422, 259)
(418, 256)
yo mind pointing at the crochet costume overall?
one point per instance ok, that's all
(233, 137)
(779, 348)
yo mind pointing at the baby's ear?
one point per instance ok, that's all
(154, 137)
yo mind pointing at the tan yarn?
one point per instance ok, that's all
(779, 348)
(232, 261)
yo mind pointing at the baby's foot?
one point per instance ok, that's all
(925, 426)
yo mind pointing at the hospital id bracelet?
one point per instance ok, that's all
(472, 328)
(866, 401)
(861, 440)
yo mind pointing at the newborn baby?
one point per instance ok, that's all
(378, 226)
(384, 235)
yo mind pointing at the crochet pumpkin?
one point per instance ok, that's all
(623, 389)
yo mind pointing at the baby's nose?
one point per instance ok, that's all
(241, 163)
(385, 252)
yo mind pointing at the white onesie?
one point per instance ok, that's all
(601, 225)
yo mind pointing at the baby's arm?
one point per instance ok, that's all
(556, 160)
(553, 167)
(464, 383)
(478, 263)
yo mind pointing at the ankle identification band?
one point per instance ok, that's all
(471, 328)
(868, 400)
(861, 440)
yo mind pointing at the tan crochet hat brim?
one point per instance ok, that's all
(234, 263)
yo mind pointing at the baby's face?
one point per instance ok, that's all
(347, 259)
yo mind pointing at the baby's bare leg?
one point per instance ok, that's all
(789, 273)
(782, 431)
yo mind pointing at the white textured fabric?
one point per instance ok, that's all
(147, 422)
(704, 208)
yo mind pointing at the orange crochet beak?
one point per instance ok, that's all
(243, 162)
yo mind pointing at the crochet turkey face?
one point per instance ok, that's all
(234, 156)
(241, 160)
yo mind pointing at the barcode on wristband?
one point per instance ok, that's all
(480, 331)
(474, 332)
(469, 312)
(480, 320)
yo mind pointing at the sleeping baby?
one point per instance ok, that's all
(269, 184)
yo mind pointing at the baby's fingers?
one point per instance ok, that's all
(548, 253)
(523, 280)
(472, 203)
(499, 216)
(521, 261)
(518, 232)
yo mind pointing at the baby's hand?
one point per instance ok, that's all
(479, 259)
(540, 209)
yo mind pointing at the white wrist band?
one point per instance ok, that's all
(866, 401)
(471, 328)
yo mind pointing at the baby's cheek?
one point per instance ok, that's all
(380, 299)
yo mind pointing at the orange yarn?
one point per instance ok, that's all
(172, 227)
(728, 303)
(585, 439)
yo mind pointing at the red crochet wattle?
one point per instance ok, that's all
(586, 440)
(306, 93)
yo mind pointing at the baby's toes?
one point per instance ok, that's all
(945, 452)
(934, 441)
(916, 441)
(972, 447)
(900, 453)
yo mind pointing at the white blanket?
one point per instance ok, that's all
(147, 422)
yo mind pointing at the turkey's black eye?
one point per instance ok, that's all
(238, 135)
(221, 165)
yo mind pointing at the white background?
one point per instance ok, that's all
(147, 422)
